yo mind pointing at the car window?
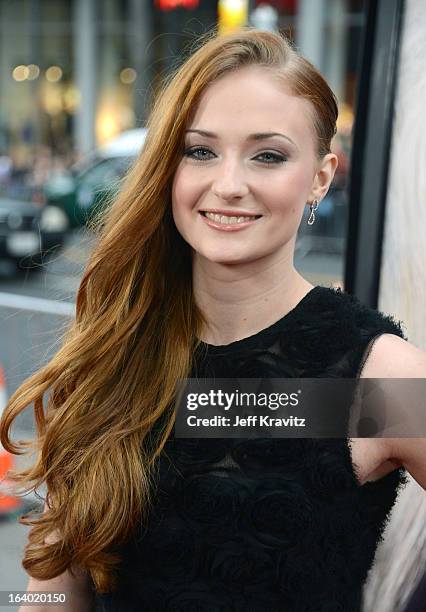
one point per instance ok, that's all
(105, 173)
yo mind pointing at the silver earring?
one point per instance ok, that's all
(314, 206)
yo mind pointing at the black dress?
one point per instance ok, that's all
(285, 524)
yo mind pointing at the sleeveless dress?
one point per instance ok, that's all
(261, 524)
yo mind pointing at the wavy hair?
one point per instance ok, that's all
(135, 332)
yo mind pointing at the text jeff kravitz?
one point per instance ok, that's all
(253, 420)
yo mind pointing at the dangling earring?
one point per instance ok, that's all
(314, 206)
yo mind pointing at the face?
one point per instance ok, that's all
(250, 151)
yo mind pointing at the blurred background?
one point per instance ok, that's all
(77, 78)
(77, 74)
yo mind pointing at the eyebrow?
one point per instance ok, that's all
(258, 136)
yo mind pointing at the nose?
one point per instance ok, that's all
(229, 182)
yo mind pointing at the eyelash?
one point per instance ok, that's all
(279, 159)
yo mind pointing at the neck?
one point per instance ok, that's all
(239, 301)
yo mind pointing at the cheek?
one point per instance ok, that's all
(185, 191)
(286, 193)
(183, 200)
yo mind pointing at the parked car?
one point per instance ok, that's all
(92, 182)
(29, 232)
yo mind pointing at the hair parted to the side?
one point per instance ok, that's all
(134, 334)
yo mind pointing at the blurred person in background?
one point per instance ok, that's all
(5, 171)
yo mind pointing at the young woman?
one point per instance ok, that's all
(193, 275)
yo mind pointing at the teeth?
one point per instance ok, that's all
(227, 220)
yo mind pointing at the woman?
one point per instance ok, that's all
(193, 276)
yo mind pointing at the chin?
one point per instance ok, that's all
(231, 259)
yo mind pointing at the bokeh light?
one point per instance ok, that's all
(20, 73)
(54, 74)
(33, 72)
(128, 76)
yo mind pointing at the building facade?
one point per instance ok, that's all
(74, 73)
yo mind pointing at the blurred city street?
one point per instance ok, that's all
(27, 339)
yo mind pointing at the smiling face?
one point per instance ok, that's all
(231, 166)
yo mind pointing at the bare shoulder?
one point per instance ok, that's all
(394, 357)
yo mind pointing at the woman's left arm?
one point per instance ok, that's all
(396, 358)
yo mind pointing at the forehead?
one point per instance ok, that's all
(254, 99)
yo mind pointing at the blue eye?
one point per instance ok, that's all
(274, 158)
(192, 153)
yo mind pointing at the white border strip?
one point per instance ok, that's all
(25, 302)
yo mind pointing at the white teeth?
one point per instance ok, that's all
(227, 220)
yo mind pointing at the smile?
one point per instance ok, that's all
(228, 223)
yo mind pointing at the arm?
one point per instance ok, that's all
(78, 592)
(394, 357)
(79, 595)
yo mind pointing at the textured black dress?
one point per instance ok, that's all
(257, 525)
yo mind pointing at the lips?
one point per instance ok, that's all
(230, 213)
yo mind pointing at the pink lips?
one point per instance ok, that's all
(230, 227)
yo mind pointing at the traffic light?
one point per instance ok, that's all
(168, 5)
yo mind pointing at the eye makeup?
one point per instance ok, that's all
(274, 157)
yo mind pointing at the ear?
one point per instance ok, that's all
(324, 176)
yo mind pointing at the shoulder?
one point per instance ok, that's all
(394, 357)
